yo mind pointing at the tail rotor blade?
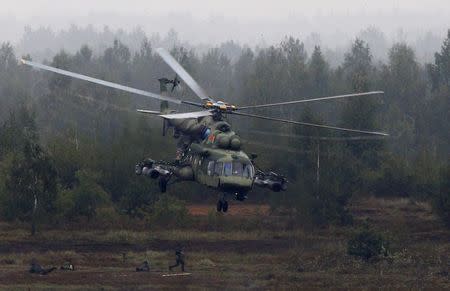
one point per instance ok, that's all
(181, 72)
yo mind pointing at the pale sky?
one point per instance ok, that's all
(247, 9)
(218, 20)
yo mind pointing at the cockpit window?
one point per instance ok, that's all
(227, 169)
(234, 168)
(218, 168)
(248, 171)
(237, 169)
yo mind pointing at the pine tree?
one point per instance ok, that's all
(440, 70)
(319, 73)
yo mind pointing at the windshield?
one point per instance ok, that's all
(237, 169)
(227, 169)
(218, 169)
(248, 171)
(234, 168)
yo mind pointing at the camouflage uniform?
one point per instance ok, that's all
(144, 267)
(35, 268)
(179, 260)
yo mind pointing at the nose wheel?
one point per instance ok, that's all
(222, 204)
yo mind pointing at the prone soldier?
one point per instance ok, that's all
(35, 268)
(144, 267)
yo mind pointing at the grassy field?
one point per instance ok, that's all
(264, 252)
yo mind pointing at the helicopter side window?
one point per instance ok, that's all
(210, 169)
(237, 169)
(218, 168)
(227, 170)
(248, 171)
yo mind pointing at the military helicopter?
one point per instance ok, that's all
(208, 151)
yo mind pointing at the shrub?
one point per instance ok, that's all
(138, 196)
(169, 210)
(84, 199)
(366, 244)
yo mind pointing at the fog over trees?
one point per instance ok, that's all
(43, 27)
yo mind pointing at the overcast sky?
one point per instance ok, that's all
(218, 20)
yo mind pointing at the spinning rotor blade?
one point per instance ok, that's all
(192, 103)
(197, 114)
(312, 137)
(310, 124)
(311, 100)
(101, 82)
(181, 72)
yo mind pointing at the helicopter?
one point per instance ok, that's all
(209, 151)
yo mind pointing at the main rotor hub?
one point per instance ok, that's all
(219, 106)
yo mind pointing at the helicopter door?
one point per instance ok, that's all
(213, 172)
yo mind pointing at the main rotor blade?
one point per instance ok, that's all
(309, 124)
(313, 137)
(101, 82)
(311, 100)
(181, 72)
(196, 114)
(192, 103)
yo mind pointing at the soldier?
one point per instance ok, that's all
(67, 266)
(179, 255)
(144, 267)
(35, 268)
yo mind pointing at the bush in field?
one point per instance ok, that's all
(366, 244)
(441, 200)
(169, 211)
(84, 199)
(138, 198)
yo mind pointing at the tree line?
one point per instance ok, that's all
(71, 146)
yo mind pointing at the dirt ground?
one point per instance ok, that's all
(241, 209)
(237, 259)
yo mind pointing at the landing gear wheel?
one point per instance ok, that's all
(163, 184)
(225, 206)
(219, 206)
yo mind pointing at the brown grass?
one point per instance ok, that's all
(235, 259)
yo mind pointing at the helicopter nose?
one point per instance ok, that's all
(235, 183)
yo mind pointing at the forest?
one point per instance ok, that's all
(70, 147)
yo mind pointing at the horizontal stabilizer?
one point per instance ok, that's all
(148, 111)
(196, 114)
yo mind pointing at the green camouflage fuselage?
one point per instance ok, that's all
(216, 158)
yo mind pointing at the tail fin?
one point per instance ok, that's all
(164, 107)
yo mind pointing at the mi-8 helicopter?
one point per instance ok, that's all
(209, 151)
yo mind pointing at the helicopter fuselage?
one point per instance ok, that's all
(212, 156)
